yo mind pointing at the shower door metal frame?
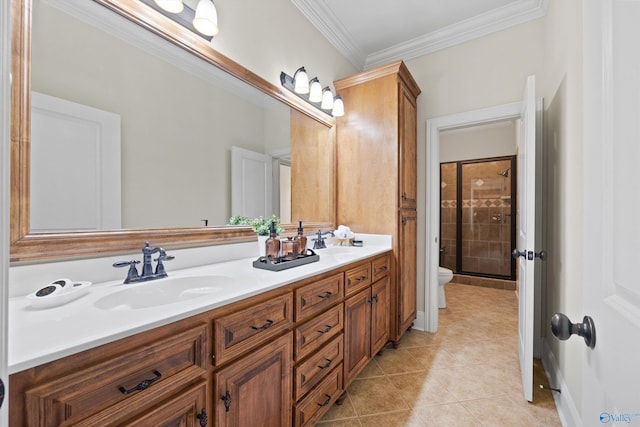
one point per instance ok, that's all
(514, 193)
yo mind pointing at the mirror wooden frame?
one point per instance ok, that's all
(26, 246)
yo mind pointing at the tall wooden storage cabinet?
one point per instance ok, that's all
(376, 173)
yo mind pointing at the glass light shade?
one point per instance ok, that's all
(173, 6)
(301, 81)
(327, 99)
(206, 19)
(338, 107)
(315, 90)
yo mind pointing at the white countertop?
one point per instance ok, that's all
(38, 336)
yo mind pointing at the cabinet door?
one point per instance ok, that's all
(379, 314)
(256, 390)
(406, 288)
(357, 334)
(187, 408)
(407, 148)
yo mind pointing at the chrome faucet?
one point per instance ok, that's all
(147, 267)
(319, 240)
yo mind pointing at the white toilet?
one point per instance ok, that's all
(444, 276)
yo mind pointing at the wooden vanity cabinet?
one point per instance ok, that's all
(376, 172)
(366, 322)
(279, 358)
(119, 383)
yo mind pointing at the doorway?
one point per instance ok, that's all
(435, 126)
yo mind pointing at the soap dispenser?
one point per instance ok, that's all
(302, 240)
(272, 244)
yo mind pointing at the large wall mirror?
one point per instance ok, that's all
(146, 114)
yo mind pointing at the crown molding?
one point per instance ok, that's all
(470, 29)
(330, 27)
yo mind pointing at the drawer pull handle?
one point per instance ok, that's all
(204, 419)
(325, 295)
(263, 327)
(227, 401)
(326, 329)
(143, 384)
(326, 365)
(385, 268)
(326, 401)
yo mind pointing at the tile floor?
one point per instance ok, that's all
(467, 374)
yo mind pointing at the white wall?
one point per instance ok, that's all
(268, 37)
(477, 142)
(563, 195)
(482, 73)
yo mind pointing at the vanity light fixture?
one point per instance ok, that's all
(202, 21)
(327, 99)
(301, 81)
(206, 19)
(312, 92)
(338, 107)
(315, 90)
(172, 6)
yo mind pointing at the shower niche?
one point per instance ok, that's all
(477, 217)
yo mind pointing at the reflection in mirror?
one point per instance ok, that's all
(178, 119)
(312, 132)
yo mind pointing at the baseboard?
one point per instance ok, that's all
(567, 411)
(418, 324)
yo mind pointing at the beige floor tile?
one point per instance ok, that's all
(421, 389)
(398, 361)
(375, 395)
(502, 411)
(372, 370)
(451, 414)
(393, 419)
(433, 357)
(346, 410)
(415, 338)
(350, 422)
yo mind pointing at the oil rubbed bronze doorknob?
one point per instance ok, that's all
(562, 328)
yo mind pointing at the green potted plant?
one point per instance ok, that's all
(261, 225)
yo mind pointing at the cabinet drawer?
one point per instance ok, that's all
(381, 267)
(120, 380)
(313, 334)
(313, 370)
(318, 402)
(357, 278)
(315, 297)
(245, 329)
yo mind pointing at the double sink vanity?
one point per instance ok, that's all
(224, 343)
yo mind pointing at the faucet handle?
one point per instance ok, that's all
(132, 274)
(160, 271)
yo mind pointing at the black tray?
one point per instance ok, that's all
(283, 264)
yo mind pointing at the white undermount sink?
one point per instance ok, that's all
(163, 291)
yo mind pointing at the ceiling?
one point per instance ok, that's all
(374, 32)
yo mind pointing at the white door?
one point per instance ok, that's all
(251, 183)
(611, 290)
(526, 239)
(75, 155)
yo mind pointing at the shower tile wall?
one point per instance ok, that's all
(448, 197)
(486, 217)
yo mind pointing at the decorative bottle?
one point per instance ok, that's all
(302, 240)
(272, 244)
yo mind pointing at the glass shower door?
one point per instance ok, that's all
(486, 217)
